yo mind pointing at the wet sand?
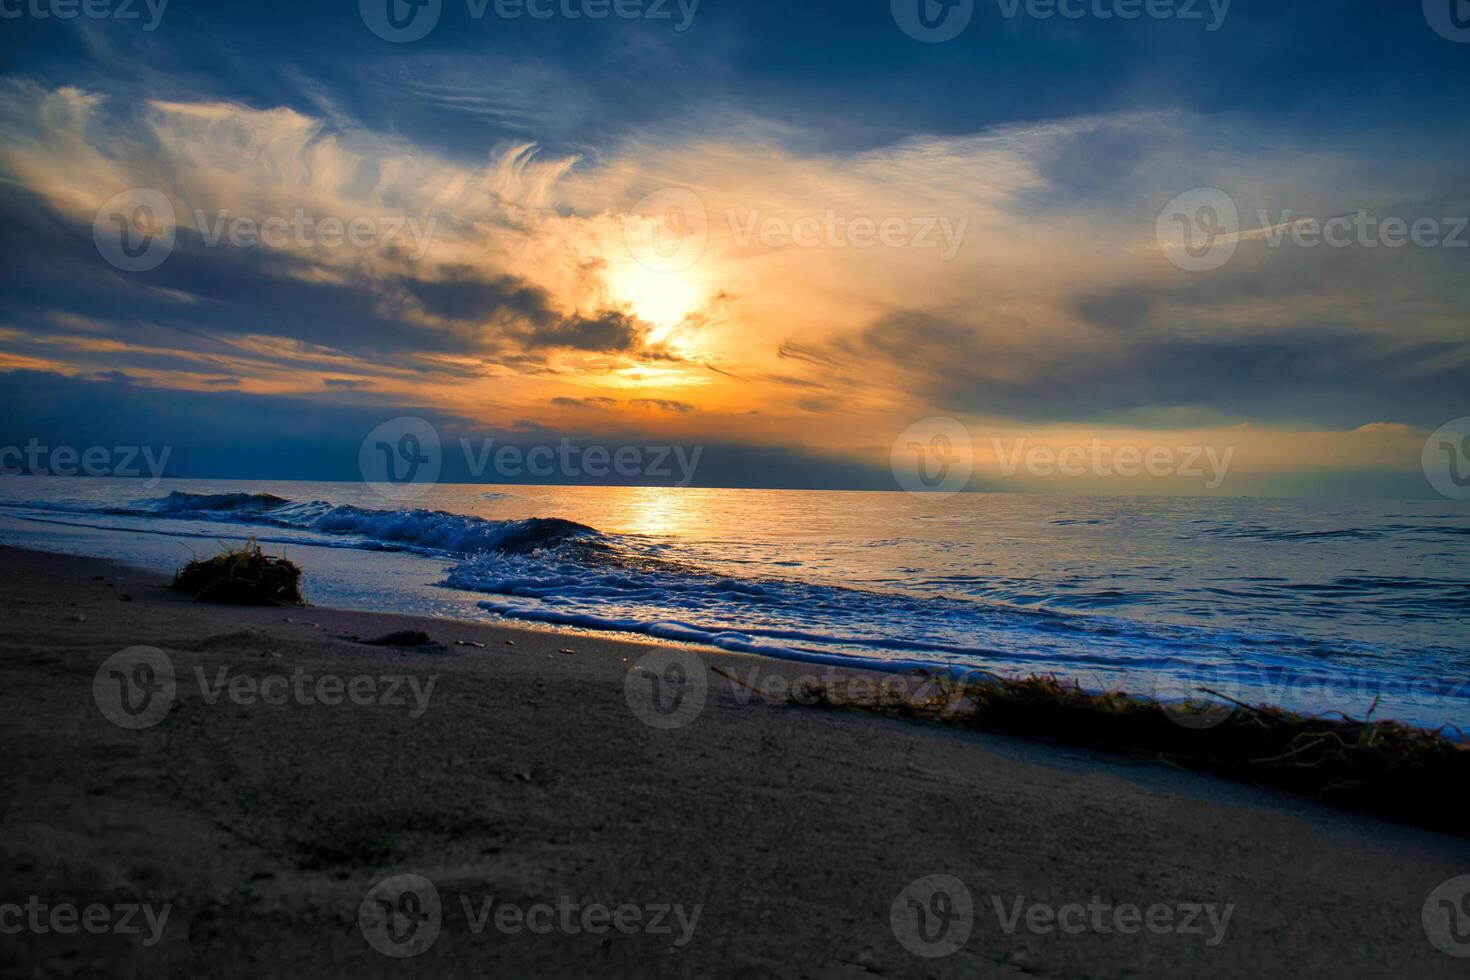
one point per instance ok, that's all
(528, 786)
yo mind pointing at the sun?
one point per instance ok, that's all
(663, 299)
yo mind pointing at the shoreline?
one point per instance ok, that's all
(530, 775)
(1247, 645)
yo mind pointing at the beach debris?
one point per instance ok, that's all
(566, 650)
(468, 643)
(510, 643)
(243, 576)
(402, 638)
(1388, 768)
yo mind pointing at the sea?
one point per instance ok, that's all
(1358, 608)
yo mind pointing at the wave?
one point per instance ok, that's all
(632, 592)
(426, 531)
(179, 502)
(1256, 532)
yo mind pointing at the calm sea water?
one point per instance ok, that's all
(1315, 605)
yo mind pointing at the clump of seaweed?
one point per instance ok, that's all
(1387, 768)
(242, 576)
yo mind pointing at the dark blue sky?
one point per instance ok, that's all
(840, 70)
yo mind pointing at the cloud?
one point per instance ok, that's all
(452, 262)
(662, 404)
(595, 402)
(1026, 286)
(1286, 376)
(234, 435)
(653, 404)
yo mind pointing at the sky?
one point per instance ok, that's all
(790, 235)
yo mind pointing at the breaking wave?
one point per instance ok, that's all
(425, 531)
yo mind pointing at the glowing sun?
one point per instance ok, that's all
(664, 299)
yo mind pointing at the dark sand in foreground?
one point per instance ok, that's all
(529, 778)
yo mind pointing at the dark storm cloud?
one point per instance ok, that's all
(1325, 377)
(222, 292)
(460, 293)
(609, 330)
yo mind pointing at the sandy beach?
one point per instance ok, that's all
(565, 829)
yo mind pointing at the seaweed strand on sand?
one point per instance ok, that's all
(1388, 768)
